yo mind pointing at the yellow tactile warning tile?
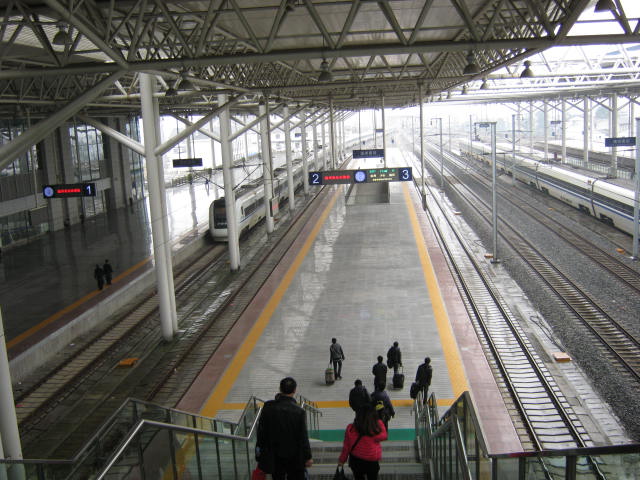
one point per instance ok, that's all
(453, 360)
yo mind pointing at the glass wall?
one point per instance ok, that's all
(87, 154)
(18, 179)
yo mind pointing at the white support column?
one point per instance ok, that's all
(636, 195)
(213, 162)
(288, 159)
(305, 165)
(384, 135)
(420, 102)
(332, 134)
(147, 88)
(545, 121)
(266, 163)
(316, 164)
(324, 147)
(586, 126)
(229, 195)
(531, 127)
(164, 219)
(613, 169)
(563, 125)
(9, 432)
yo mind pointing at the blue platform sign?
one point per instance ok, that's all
(620, 142)
(369, 153)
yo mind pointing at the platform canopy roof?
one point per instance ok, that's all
(301, 51)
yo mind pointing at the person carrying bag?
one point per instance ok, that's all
(361, 445)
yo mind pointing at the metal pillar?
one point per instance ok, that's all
(384, 135)
(613, 169)
(563, 128)
(288, 159)
(441, 158)
(9, 433)
(359, 129)
(315, 146)
(513, 144)
(213, 162)
(636, 202)
(233, 232)
(545, 121)
(332, 133)
(421, 138)
(324, 146)
(531, 126)
(147, 88)
(494, 195)
(164, 220)
(586, 126)
(265, 132)
(305, 166)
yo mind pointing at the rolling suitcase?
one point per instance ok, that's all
(329, 375)
(398, 379)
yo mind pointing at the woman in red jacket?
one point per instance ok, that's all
(362, 444)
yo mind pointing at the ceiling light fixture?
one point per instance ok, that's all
(604, 6)
(325, 75)
(527, 72)
(185, 83)
(61, 37)
(472, 67)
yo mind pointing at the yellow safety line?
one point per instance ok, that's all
(221, 390)
(449, 346)
(36, 328)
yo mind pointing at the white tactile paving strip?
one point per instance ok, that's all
(361, 282)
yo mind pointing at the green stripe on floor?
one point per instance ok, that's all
(397, 434)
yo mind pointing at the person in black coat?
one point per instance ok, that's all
(98, 274)
(379, 371)
(382, 403)
(359, 397)
(394, 357)
(423, 377)
(282, 445)
(108, 271)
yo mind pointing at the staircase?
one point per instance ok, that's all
(399, 461)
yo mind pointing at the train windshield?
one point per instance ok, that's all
(220, 216)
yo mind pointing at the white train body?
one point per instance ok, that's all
(249, 202)
(595, 196)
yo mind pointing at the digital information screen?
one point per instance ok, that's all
(369, 153)
(368, 175)
(69, 190)
(187, 162)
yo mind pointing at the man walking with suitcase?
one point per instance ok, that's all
(336, 356)
(423, 378)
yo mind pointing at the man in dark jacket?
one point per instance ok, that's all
(382, 404)
(282, 446)
(394, 357)
(359, 397)
(379, 371)
(423, 377)
(108, 271)
(336, 356)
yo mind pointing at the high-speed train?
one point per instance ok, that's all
(592, 195)
(250, 201)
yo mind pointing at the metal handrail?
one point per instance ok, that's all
(166, 426)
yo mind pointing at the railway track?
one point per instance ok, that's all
(616, 342)
(628, 276)
(536, 402)
(90, 386)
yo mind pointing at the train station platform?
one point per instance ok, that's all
(368, 273)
